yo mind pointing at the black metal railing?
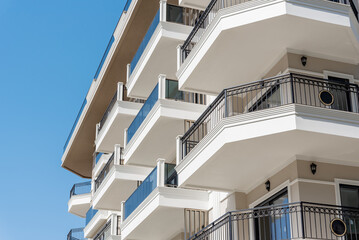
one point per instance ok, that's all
(211, 11)
(108, 111)
(106, 169)
(104, 233)
(76, 234)
(269, 93)
(287, 221)
(80, 188)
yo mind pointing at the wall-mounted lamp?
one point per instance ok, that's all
(267, 185)
(304, 60)
(313, 168)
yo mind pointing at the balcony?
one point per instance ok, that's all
(111, 230)
(199, 4)
(153, 131)
(239, 40)
(116, 182)
(169, 28)
(79, 147)
(76, 234)
(80, 199)
(95, 219)
(118, 115)
(301, 220)
(277, 115)
(155, 210)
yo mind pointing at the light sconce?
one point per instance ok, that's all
(267, 185)
(304, 60)
(313, 168)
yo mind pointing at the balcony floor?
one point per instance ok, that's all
(234, 156)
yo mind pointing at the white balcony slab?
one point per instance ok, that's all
(160, 49)
(161, 215)
(157, 134)
(95, 224)
(244, 41)
(243, 151)
(199, 4)
(79, 204)
(118, 185)
(119, 118)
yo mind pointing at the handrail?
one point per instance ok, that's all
(250, 97)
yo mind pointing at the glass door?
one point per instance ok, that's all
(349, 196)
(340, 89)
(271, 223)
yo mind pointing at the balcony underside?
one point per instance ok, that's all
(112, 132)
(234, 155)
(156, 136)
(118, 185)
(200, 4)
(159, 57)
(79, 204)
(78, 155)
(161, 215)
(245, 41)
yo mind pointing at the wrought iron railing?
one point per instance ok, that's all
(76, 234)
(90, 214)
(108, 111)
(80, 188)
(75, 123)
(288, 221)
(269, 93)
(147, 186)
(104, 233)
(211, 11)
(106, 169)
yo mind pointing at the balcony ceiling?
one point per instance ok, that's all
(241, 46)
(78, 156)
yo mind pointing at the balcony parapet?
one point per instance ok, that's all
(270, 93)
(80, 188)
(300, 220)
(76, 234)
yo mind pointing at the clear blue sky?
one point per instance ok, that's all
(49, 53)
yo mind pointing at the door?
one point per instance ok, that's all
(340, 89)
(349, 196)
(270, 225)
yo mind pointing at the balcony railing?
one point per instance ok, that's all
(108, 111)
(80, 188)
(289, 221)
(109, 45)
(175, 14)
(127, 5)
(90, 214)
(147, 187)
(76, 234)
(171, 92)
(107, 168)
(104, 233)
(75, 123)
(269, 93)
(211, 11)
(98, 157)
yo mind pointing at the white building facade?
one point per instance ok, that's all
(221, 120)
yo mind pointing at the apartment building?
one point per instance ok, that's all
(221, 119)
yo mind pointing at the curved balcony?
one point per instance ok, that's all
(290, 116)
(80, 199)
(247, 38)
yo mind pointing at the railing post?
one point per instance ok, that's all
(125, 137)
(302, 219)
(292, 86)
(230, 226)
(117, 154)
(161, 86)
(179, 149)
(97, 129)
(122, 211)
(179, 56)
(225, 104)
(163, 11)
(160, 172)
(120, 91)
(128, 73)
